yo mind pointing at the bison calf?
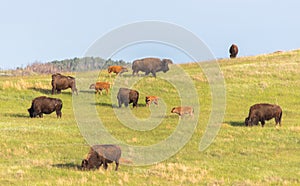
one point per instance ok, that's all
(45, 105)
(127, 96)
(99, 86)
(262, 112)
(118, 70)
(102, 154)
(183, 110)
(150, 99)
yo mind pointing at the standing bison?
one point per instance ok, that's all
(99, 86)
(61, 82)
(118, 70)
(262, 112)
(150, 65)
(183, 110)
(233, 50)
(45, 105)
(102, 154)
(127, 96)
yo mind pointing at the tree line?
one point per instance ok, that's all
(73, 65)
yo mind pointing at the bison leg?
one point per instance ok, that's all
(58, 91)
(126, 104)
(58, 113)
(262, 123)
(105, 165)
(53, 90)
(120, 103)
(117, 165)
(153, 73)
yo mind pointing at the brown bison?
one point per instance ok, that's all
(99, 86)
(118, 70)
(45, 105)
(127, 96)
(61, 82)
(101, 154)
(233, 50)
(150, 65)
(262, 112)
(183, 110)
(150, 99)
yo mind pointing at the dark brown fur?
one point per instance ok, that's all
(263, 112)
(233, 50)
(127, 96)
(45, 105)
(102, 154)
(150, 65)
(60, 82)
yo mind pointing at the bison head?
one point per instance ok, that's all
(30, 110)
(92, 86)
(247, 121)
(84, 164)
(164, 66)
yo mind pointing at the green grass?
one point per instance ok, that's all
(48, 151)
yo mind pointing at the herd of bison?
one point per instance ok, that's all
(104, 154)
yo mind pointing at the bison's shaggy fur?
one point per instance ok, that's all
(101, 154)
(233, 50)
(127, 96)
(45, 105)
(150, 65)
(60, 82)
(262, 112)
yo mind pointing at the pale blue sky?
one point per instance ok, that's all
(34, 30)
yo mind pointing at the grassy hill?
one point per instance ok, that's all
(48, 151)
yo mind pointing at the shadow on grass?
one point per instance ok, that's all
(41, 90)
(237, 123)
(67, 166)
(17, 115)
(49, 91)
(116, 106)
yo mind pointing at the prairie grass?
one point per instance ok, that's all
(48, 151)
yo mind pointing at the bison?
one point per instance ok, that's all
(262, 112)
(99, 86)
(127, 96)
(118, 70)
(150, 99)
(45, 105)
(102, 154)
(183, 110)
(150, 65)
(233, 50)
(61, 82)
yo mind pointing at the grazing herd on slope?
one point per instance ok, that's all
(104, 154)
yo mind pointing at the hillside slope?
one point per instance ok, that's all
(49, 150)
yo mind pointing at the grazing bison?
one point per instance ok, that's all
(233, 50)
(61, 82)
(99, 86)
(127, 96)
(150, 65)
(183, 110)
(262, 112)
(45, 105)
(117, 70)
(102, 154)
(150, 99)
